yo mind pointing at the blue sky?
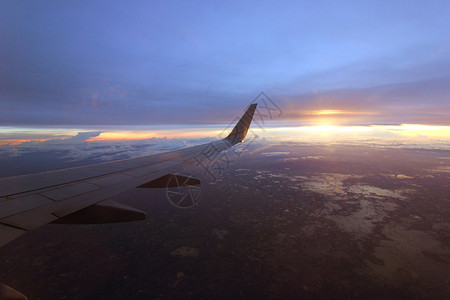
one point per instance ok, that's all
(77, 63)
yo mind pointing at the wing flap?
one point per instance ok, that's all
(138, 172)
(170, 180)
(104, 212)
(9, 234)
(68, 191)
(108, 180)
(14, 206)
(28, 183)
(31, 219)
(73, 204)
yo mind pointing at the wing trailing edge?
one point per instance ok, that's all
(104, 212)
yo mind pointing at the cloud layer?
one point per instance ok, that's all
(159, 63)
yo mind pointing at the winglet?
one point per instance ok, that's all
(240, 130)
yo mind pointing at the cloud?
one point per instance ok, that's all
(76, 148)
(80, 137)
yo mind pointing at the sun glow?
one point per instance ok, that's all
(341, 112)
(418, 130)
(329, 112)
(332, 128)
(405, 133)
(333, 117)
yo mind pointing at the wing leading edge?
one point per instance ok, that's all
(62, 196)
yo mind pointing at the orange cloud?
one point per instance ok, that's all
(142, 135)
(14, 142)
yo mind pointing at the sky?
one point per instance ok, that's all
(72, 66)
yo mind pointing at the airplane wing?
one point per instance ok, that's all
(80, 195)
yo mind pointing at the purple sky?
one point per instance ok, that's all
(158, 62)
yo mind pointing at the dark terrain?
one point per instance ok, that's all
(285, 221)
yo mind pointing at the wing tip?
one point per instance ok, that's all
(239, 131)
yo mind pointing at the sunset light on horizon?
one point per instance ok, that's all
(325, 132)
